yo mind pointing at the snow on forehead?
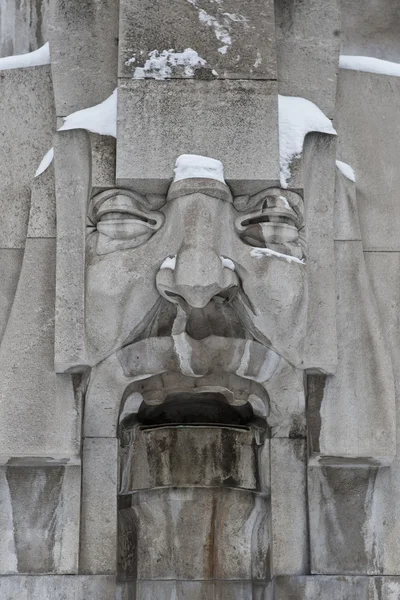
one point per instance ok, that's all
(188, 166)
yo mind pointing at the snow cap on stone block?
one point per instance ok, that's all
(190, 166)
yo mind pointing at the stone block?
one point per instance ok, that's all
(233, 121)
(195, 590)
(235, 40)
(98, 550)
(10, 266)
(39, 416)
(368, 126)
(39, 516)
(322, 588)
(62, 587)
(103, 161)
(72, 160)
(187, 533)
(358, 415)
(308, 45)
(83, 37)
(318, 173)
(289, 507)
(23, 26)
(369, 28)
(26, 131)
(42, 214)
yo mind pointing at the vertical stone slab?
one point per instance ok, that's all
(289, 507)
(72, 160)
(318, 167)
(323, 588)
(39, 416)
(98, 550)
(83, 37)
(43, 509)
(308, 44)
(233, 121)
(23, 25)
(10, 266)
(27, 123)
(233, 39)
(368, 126)
(62, 587)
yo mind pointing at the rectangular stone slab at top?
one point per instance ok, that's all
(236, 38)
(233, 121)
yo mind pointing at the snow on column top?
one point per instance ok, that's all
(190, 166)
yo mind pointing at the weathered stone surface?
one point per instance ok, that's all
(23, 26)
(318, 175)
(72, 161)
(194, 533)
(368, 125)
(323, 588)
(370, 28)
(62, 587)
(42, 214)
(10, 266)
(235, 121)
(26, 132)
(39, 519)
(236, 40)
(308, 42)
(38, 413)
(289, 507)
(98, 549)
(83, 38)
(103, 161)
(195, 590)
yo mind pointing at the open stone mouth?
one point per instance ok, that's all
(173, 399)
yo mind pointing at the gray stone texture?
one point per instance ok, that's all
(236, 40)
(308, 42)
(318, 174)
(42, 214)
(103, 161)
(26, 132)
(10, 266)
(24, 25)
(60, 587)
(371, 28)
(98, 547)
(368, 126)
(234, 121)
(289, 507)
(38, 413)
(324, 588)
(83, 37)
(39, 518)
(195, 590)
(72, 162)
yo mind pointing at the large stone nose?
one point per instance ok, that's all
(197, 277)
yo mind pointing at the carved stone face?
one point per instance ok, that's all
(218, 284)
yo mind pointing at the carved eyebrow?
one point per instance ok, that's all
(126, 199)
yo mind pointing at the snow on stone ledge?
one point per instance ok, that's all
(189, 166)
(297, 117)
(367, 64)
(38, 57)
(101, 118)
(162, 65)
(346, 170)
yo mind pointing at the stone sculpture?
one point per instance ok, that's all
(198, 367)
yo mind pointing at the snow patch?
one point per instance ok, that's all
(258, 61)
(297, 117)
(160, 65)
(346, 170)
(367, 64)
(169, 263)
(101, 118)
(260, 252)
(228, 263)
(188, 166)
(222, 32)
(38, 57)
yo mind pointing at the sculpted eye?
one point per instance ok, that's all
(121, 219)
(273, 223)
